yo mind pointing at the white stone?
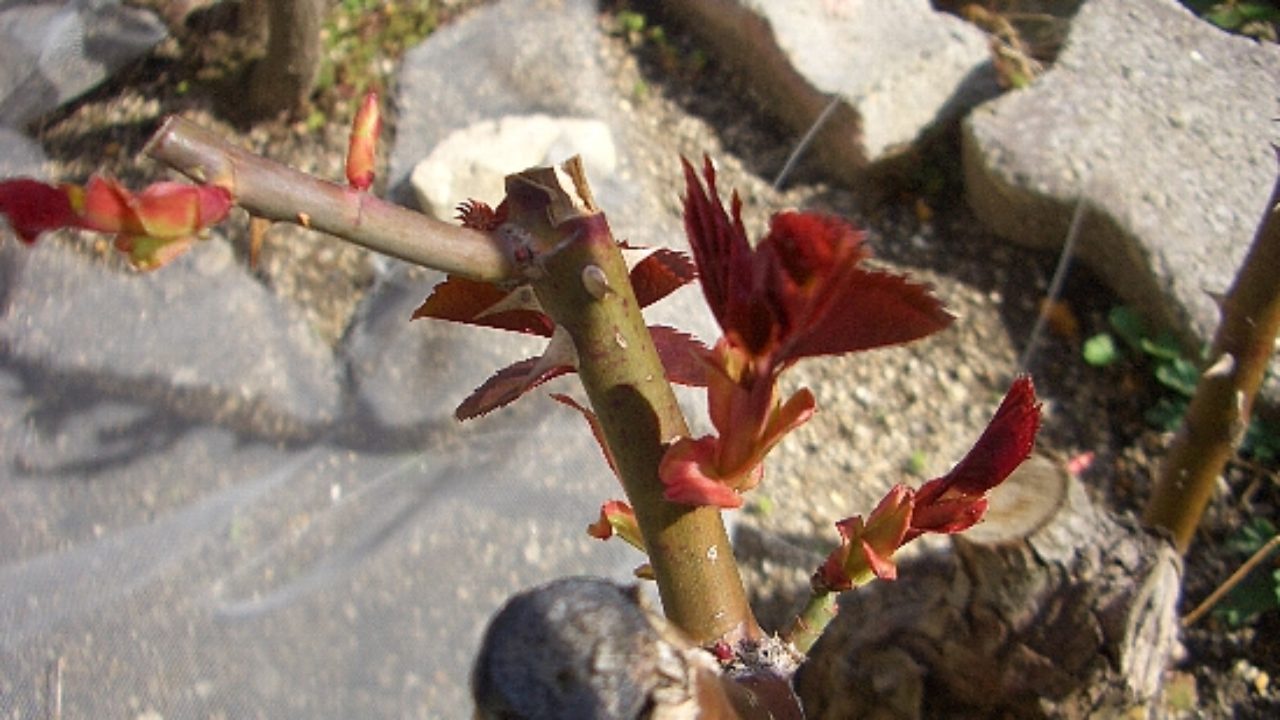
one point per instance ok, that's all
(472, 163)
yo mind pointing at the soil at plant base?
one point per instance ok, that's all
(896, 415)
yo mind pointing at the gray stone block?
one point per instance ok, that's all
(19, 155)
(898, 71)
(52, 51)
(1163, 126)
(198, 328)
(480, 68)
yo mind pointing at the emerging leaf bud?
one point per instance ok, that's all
(364, 143)
(617, 518)
(152, 227)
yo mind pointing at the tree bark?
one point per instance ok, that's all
(282, 81)
(1074, 619)
(253, 20)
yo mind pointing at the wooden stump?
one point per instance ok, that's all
(1054, 608)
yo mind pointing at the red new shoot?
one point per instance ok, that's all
(800, 292)
(948, 504)
(151, 227)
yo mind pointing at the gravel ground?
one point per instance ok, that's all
(896, 415)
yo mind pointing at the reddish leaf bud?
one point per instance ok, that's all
(363, 147)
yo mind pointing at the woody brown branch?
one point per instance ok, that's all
(1221, 407)
(268, 189)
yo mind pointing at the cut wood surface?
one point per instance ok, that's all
(1073, 619)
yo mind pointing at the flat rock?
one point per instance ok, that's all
(898, 70)
(202, 513)
(1163, 126)
(54, 50)
(20, 156)
(190, 330)
(205, 570)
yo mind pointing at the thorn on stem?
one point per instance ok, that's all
(596, 282)
(1222, 367)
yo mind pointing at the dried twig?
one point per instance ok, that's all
(1230, 583)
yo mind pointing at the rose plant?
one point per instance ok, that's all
(543, 262)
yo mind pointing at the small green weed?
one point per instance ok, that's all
(363, 38)
(1130, 339)
(917, 463)
(762, 506)
(1161, 352)
(1258, 19)
(651, 38)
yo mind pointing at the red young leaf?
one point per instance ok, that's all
(157, 224)
(506, 385)
(363, 146)
(162, 211)
(479, 216)
(34, 207)
(1004, 444)
(867, 547)
(718, 240)
(617, 518)
(949, 504)
(659, 274)
(956, 500)
(800, 291)
(947, 516)
(683, 474)
(882, 565)
(481, 303)
(681, 356)
(152, 226)
(873, 309)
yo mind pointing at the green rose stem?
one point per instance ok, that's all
(818, 612)
(1220, 408)
(582, 282)
(277, 192)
